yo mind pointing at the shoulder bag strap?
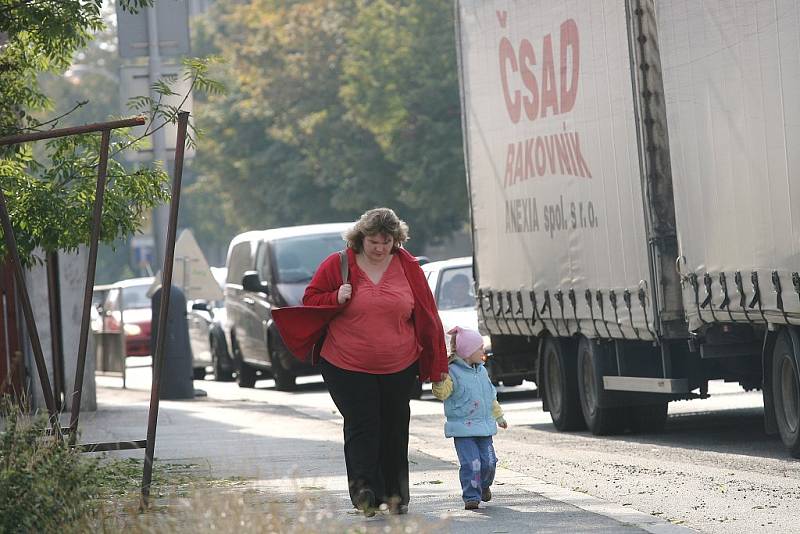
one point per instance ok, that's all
(345, 265)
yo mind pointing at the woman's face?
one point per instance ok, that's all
(377, 247)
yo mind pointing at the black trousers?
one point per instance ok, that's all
(376, 416)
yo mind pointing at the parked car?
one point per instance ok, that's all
(207, 336)
(271, 268)
(126, 303)
(453, 288)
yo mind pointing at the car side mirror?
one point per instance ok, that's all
(252, 282)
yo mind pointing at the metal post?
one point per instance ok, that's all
(27, 310)
(160, 213)
(89, 287)
(56, 338)
(166, 290)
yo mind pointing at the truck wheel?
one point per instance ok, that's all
(285, 380)
(600, 420)
(785, 384)
(560, 386)
(245, 374)
(648, 419)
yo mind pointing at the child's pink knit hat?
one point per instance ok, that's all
(467, 341)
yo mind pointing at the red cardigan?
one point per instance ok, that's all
(321, 296)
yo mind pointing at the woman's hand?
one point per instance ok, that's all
(443, 377)
(345, 292)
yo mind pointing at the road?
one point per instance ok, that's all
(713, 469)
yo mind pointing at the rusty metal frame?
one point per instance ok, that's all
(158, 357)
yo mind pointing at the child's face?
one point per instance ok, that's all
(476, 357)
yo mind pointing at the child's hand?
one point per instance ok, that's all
(501, 422)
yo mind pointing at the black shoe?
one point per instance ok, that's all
(471, 505)
(486, 495)
(400, 509)
(365, 502)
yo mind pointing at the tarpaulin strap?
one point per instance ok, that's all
(588, 296)
(491, 308)
(643, 302)
(521, 311)
(709, 295)
(547, 306)
(696, 289)
(481, 307)
(535, 308)
(796, 283)
(612, 296)
(737, 279)
(726, 300)
(560, 300)
(626, 297)
(599, 296)
(510, 312)
(572, 301)
(756, 294)
(776, 284)
(501, 310)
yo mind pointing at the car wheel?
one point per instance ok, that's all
(199, 373)
(560, 386)
(512, 382)
(285, 379)
(220, 374)
(245, 374)
(599, 419)
(416, 389)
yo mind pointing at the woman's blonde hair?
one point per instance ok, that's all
(373, 222)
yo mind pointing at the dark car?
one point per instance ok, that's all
(266, 269)
(206, 321)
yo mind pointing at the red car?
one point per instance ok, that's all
(127, 303)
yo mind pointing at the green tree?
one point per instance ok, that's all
(401, 84)
(336, 107)
(50, 192)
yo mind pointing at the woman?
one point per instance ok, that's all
(386, 333)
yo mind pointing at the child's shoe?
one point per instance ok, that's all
(486, 495)
(471, 505)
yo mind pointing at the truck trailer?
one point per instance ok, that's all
(634, 183)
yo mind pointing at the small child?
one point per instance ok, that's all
(473, 415)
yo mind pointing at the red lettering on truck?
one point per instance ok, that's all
(548, 94)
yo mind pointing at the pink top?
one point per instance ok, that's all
(374, 333)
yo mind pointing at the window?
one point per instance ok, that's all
(135, 297)
(297, 258)
(456, 289)
(238, 263)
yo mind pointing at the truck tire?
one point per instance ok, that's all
(785, 385)
(245, 374)
(561, 386)
(648, 419)
(600, 420)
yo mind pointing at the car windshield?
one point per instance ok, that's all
(297, 258)
(455, 289)
(135, 297)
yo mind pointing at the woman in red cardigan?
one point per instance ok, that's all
(387, 332)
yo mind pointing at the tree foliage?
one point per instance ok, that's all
(50, 192)
(335, 107)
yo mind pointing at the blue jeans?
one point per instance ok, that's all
(478, 462)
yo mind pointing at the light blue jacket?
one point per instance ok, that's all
(469, 408)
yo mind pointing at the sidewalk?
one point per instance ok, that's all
(291, 454)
